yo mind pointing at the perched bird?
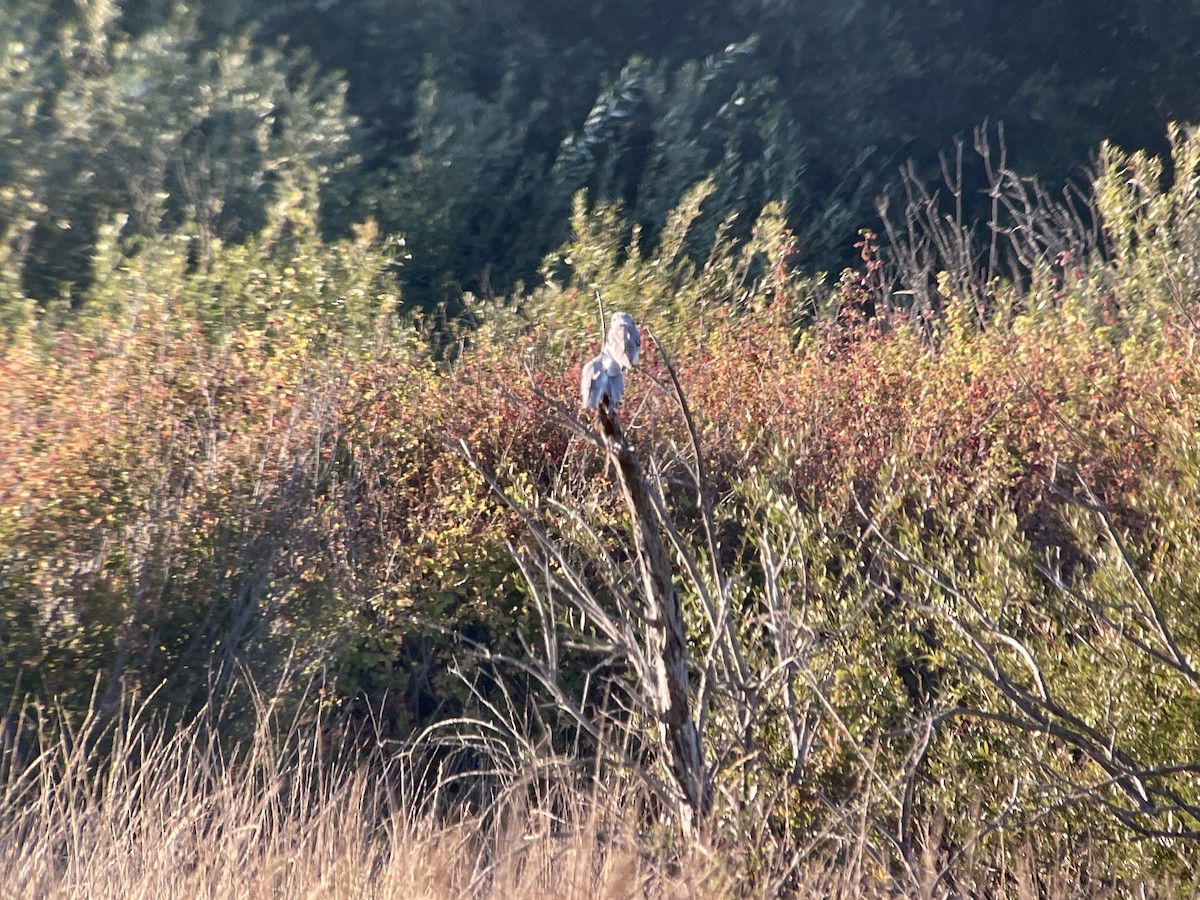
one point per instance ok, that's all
(623, 341)
(601, 383)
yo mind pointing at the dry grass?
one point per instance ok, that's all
(123, 811)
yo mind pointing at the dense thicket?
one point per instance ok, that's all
(954, 544)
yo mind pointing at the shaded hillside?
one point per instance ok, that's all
(468, 127)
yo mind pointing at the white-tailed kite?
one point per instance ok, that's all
(601, 383)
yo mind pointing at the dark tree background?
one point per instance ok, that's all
(468, 125)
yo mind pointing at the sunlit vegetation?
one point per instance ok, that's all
(315, 582)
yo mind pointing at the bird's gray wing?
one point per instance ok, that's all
(590, 383)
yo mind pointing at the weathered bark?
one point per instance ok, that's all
(666, 644)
